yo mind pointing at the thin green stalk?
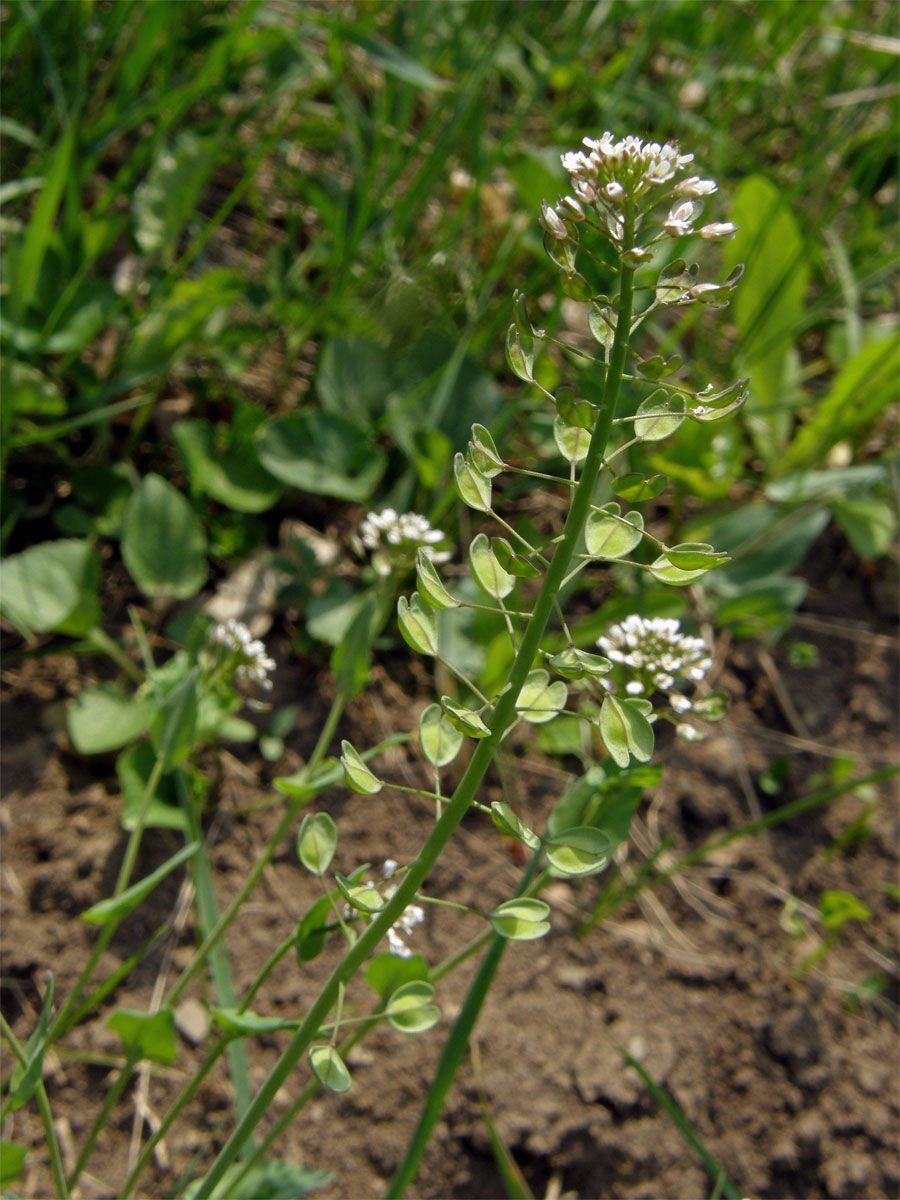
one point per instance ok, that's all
(452, 1054)
(109, 1103)
(212, 1057)
(497, 723)
(56, 1165)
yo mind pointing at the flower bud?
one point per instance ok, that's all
(718, 231)
(552, 222)
(573, 209)
(614, 191)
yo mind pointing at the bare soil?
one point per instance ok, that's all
(787, 1073)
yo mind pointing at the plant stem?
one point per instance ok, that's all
(497, 723)
(59, 1175)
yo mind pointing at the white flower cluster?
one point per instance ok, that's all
(658, 656)
(393, 538)
(411, 917)
(254, 664)
(608, 174)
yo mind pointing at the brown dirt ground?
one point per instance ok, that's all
(791, 1085)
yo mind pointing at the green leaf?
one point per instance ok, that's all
(870, 524)
(312, 932)
(429, 585)
(103, 718)
(572, 441)
(417, 624)
(52, 587)
(163, 544)
(540, 700)
(357, 774)
(583, 850)
(328, 1067)
(625, 731)
(579, 413)
(12, 1159)
(270, 1179)
(512, 562)
(409, 1008)
(24, 282)
(473, 488)
(575, 664)
(134, 767)
(486, 570)
(484, 454)
(321, 452)
(194, 312)
(466, 720)
(28, 391)
(233, 476)
(175, 726)
(114, 908)
(520, 354)
(609, 535)
(350, 657)
(659, 416)
(146, 1035)
(164, 202)
(247, 1024)
(27, 1078)
(439, 740)
(386, 972)
(520, 920)
(393, 61)
(837, 908)
(355, 376)
(317, 841)
(636, 486)
(510, 825)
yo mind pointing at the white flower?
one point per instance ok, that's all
(635, 165)
(680, 219)
(656, 654)
(695, 186)
(254, 664)
(411, 916)
(390, 867)
(394, 539)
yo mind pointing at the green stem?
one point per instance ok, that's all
(104, 642)
(462, 798)
(56, 1166)
(452, 1055)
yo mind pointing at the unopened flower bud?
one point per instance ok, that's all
(553, 222)
(572, 209)
(614, 191)
(634, 257)
(718, 231)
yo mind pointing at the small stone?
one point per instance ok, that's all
(192, 1020)
(846, 1173)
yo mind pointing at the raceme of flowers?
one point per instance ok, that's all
(393, 539)
(608, 174)
(657, 656)
(411, 916)
(254, 664)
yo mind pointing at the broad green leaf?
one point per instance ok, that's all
(317, 841)
(486, 570)
(247, 1024)
(312, 932)
(233, 476)
(571, 410)
(583, 850)
(12, 1159)
(520, 920)
(473, 488)
(357, 774)
(540, 700)
(103, 718)
(409, 1008)
(439, 740)
(828, 483)
(134, 767)
(466, 720)
(602, 324)
(429, 585)
(362, 896)
(870, 524)
(321, 452)
(386, 972)
(625, 730)
(510, 825)
(509, 560)
(328, 1067)
(609, 535)
(163, 543)
(572, 441)
(176, 723)
(26, 1078)
(146, 1035)
(52, 587)
(659, 416)
(114, 908)
(637, 486)
(355, 376)
(350, 659)
(417, 624)
(667, 572)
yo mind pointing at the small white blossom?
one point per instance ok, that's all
(635, 165)
(688, 733)
(394, 539)
(390, 867)
(695, 186)
(656, 654)
(411, 916)
(680, 219)
(254, 664)
(679, 703)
